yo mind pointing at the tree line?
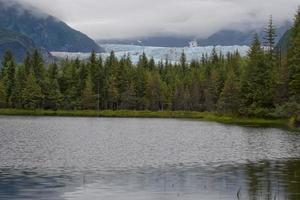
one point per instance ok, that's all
(265, 83)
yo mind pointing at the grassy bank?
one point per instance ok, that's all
(205, 116)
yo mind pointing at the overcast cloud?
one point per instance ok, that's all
(132, 18)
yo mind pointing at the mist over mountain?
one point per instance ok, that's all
(226, 37)
(234, 37)
(44, 30)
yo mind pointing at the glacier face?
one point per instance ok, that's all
(158, 53)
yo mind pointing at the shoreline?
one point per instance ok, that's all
(202, 116)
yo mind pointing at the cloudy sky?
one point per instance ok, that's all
(132, 18)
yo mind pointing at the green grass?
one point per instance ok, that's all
(204, 116)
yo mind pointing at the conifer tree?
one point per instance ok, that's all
(8, 73)
(38, 67)
(32, 95)
(21, 77)
(183, 61)
(88, 96)
(230, 99)
(256, 83)
(143, 61)
(27, 63)
(214, 56)
(2, 95)
(269, 39)
(112, 92)
(53, 96)
(294, 58)
(271, 54)
(154, 91)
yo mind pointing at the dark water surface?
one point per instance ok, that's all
(141, 159)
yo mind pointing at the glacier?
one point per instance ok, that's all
(157, 53)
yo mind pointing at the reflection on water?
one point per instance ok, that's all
(264, 180)
(144, 159)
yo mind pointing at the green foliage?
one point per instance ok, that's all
(32, 93)
(257, 79)
(269, 40)
(2, 95)
(294, 57)
(288, 109)
(88, 96)
(53, 96)
(154, 91)
(230, 99)
(8, 75)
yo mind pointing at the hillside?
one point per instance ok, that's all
(19, 45)
(284, 42)
(44, 30)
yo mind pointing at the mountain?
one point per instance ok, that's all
(233, 37)
(45, 30)
(222, 38)
(227, 38)
(285, 42)
(156, 41)
(19, 45)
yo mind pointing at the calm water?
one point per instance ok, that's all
(141, 159)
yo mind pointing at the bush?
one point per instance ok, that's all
(288, 110)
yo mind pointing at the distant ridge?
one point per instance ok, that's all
(222, 38)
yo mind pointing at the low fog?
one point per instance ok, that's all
(107, 19)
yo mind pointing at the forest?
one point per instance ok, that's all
(265, 83)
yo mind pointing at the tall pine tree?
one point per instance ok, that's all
(294, 59)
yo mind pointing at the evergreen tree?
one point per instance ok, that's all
(257, 79)
(183, 61)
(129, 97)
(140, 86)
(112, 92)
(154, 91)
(8, 73)
(21, 77)
(2, 95)
(82, 75)
(230, 99)
(96, 72)
(143, 61)
(197, 92)
(32, 95)
(271, 56)
(124, 82)
(38, 67)
(214, 56)
(68, 85)
(88, 96)
(294, 59)
(53, 96)
(269, 40)
(27, 63)
(212, 91)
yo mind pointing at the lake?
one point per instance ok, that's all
(61, 158)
